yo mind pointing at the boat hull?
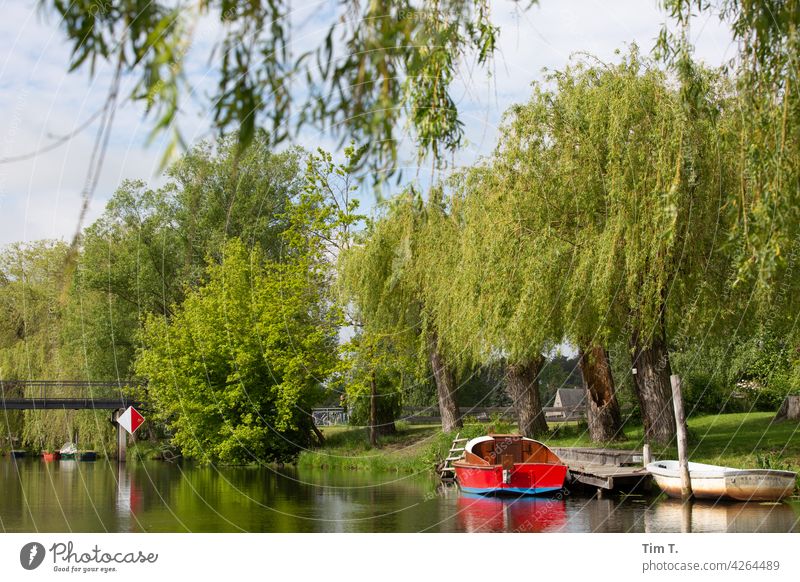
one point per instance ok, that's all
(714, 482)
(49, 457)
(524, 479)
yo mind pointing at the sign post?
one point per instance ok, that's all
(130, 420)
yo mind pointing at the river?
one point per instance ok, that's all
(71, 496)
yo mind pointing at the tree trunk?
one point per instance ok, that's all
(789, 410)
(445, 386)
(602, 408)
(522, 384)
(650, 358)
(373, 410)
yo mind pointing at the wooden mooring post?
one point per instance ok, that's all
(680, 422)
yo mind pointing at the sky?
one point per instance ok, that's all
(40, 100)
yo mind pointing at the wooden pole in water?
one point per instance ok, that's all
(686, 518)
(646, 456)
(680, 422)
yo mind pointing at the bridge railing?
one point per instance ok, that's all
(72, 389)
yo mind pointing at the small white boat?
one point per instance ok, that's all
(68, 451)
(716, 482)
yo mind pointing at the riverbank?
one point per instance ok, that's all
(735, 440)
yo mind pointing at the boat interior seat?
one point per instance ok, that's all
(520, 451)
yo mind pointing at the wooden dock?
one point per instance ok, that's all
(606, 469)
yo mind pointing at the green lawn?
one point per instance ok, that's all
(737, 440)
(413, 448)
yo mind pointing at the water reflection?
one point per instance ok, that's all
(477, 513)
(709, 516)
(72, 496)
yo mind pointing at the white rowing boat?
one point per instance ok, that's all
(715, 482)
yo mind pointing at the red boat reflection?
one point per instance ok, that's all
(478, 513)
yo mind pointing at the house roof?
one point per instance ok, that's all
(569, 397)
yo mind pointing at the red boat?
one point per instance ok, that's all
(49, 457)
(506, 463)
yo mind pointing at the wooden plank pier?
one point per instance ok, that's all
(605, 469)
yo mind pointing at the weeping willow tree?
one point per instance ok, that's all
(766, 200)
(384, 278)
(644, 177)
(36, 344)
(607, 215)
(492, 281)
(763, 123)
(378, 64)
(543, 185)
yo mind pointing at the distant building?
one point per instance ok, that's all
(567, 398)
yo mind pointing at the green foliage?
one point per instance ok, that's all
(483, 385)
(763, 122)
(381, 279)
(150, 246)
(219, 191)
(759, 358)
(492, 286)
(639, 182)
(37, 342)
(559, 371)
(164, 256)
(389, 395)
(367, 360)
(761, 368)
(236, 370)
(379, 64)
(755, 373)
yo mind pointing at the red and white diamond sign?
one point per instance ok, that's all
(130, 420)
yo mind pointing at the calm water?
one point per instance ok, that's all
(164, 497)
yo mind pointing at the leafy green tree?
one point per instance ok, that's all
(766, 134)
(605, 187)
(151, 245)
(492, 282)
(375, 379)
(543, 185)
(645, 177)
(383, 277)
(237, 368)
(220, 192)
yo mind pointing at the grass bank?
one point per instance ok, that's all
(736, 440)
